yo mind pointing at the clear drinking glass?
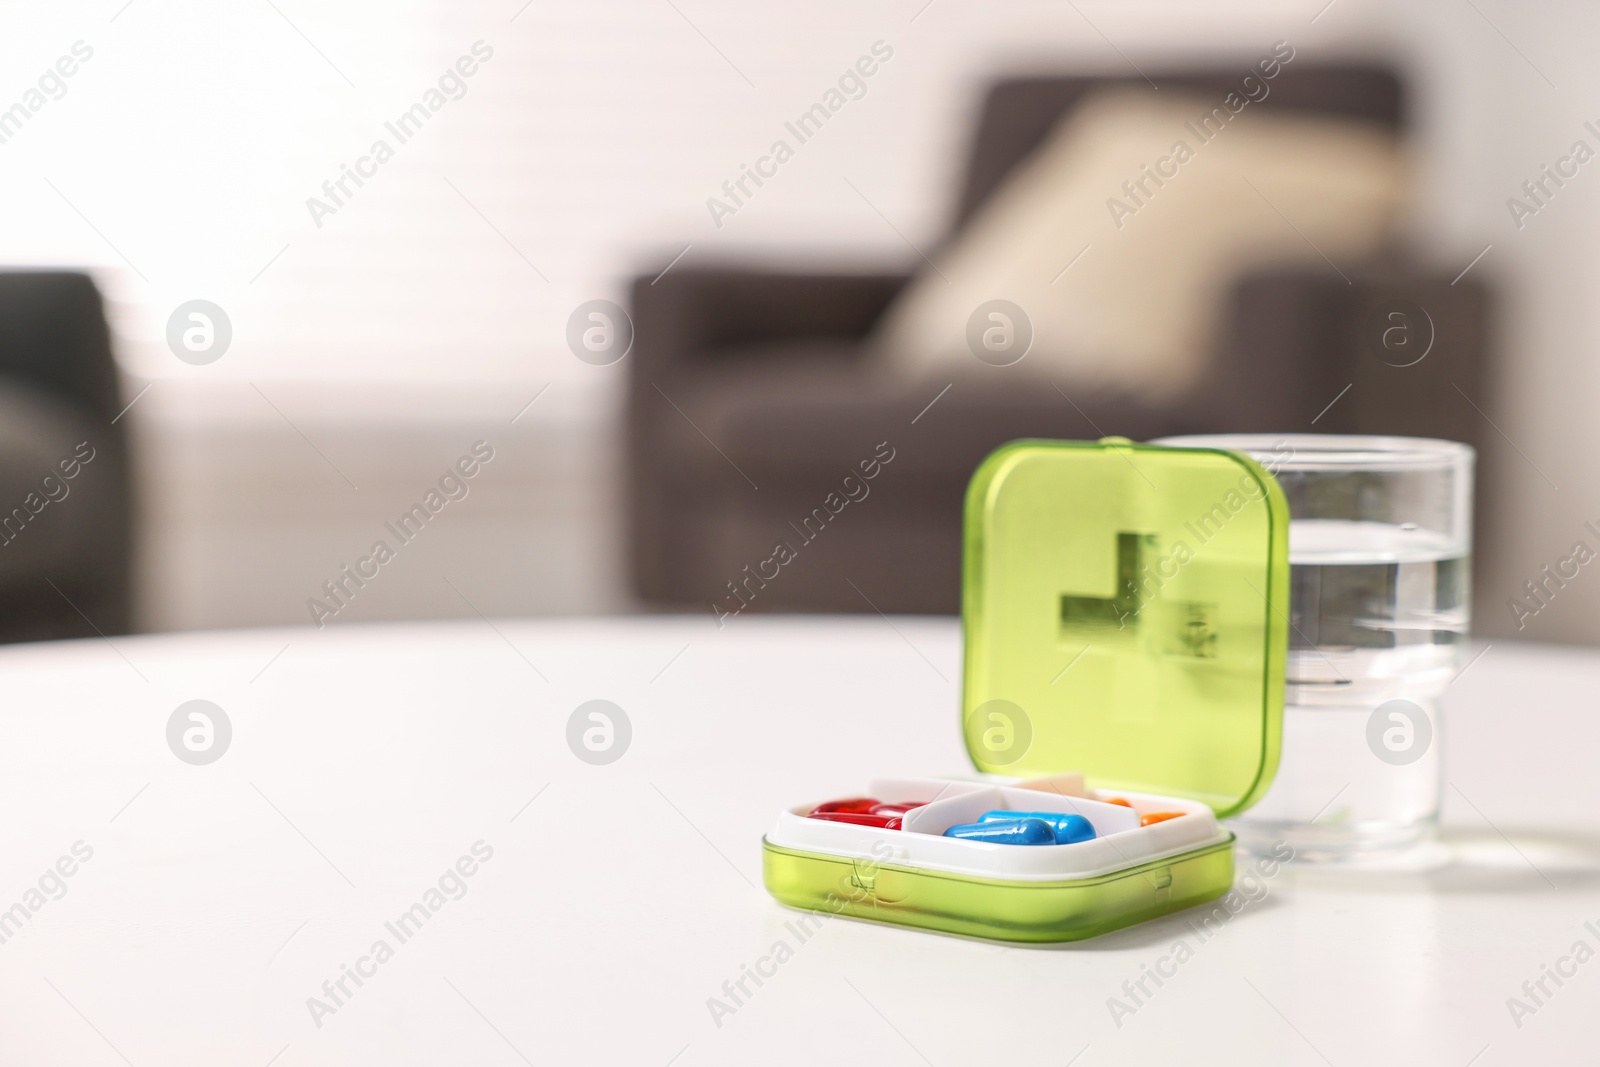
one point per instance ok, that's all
(1380, 544)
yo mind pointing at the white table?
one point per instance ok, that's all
(365, 761)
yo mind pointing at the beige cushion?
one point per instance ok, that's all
(1139, 311)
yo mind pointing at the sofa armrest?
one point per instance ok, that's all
(687, 320)
(1303, 350)
(690, 316)
(54, 338)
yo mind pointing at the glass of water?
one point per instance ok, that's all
(1380, 555)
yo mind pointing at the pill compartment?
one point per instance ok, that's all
(1101, 632)
(917, 877)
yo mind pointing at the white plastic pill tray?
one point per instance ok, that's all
(1119, 841)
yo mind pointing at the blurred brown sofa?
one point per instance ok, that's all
(749, 402)
(66, 499)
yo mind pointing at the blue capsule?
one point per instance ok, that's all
(1068, 829)
(1013, 832)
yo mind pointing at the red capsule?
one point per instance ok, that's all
(896, 808)
(858, 805)
(859, 818)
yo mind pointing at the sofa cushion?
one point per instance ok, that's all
(1168, 197)
(803, 420)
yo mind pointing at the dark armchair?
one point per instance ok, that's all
(65, 525)
(748, 401)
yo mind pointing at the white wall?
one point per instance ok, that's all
(245, 518)
(406, 326)
(1506, 123)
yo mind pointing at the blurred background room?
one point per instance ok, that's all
(531, 293)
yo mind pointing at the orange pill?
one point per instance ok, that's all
(1158, 816)
(1118, 800)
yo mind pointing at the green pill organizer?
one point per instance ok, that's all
(1125, 615)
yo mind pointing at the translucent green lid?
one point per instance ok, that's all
(1125, 610)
